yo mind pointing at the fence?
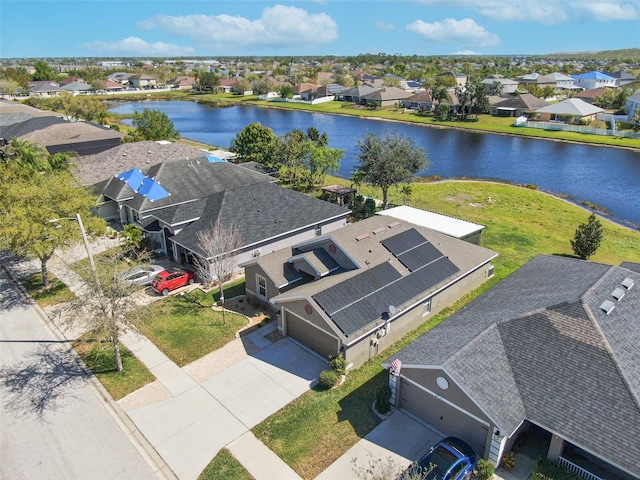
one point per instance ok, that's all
(577, 470)
(578, 129)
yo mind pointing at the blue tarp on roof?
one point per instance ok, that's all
(152, 190)
(133, 178)
(213, 158)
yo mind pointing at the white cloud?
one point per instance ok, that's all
(450, 30)
(137, 46)
(606, 11)
(279, 26)
(385, 26)
(547, 12)
(464, 52)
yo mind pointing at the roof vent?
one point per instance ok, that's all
(394, 224)
(627, 283)
(618, 293)
(607, 306)
(364, 236)
(378, 231)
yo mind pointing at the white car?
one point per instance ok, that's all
(141, 276)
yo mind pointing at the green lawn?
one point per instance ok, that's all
(317, 428)
(99, 358)
(224, 466)
(57, 292)
(185, 327)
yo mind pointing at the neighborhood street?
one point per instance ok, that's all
(52, 423)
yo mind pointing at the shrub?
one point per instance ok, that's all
(383, 395)
(508, 461)
(545, 469)
(485, 469)
(339, 364)
(587, 238)
(328, 379)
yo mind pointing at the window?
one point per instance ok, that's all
(262, 286)
(426, 307)
(318, 230)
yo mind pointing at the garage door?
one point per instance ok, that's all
(311, 336)
(442, 416)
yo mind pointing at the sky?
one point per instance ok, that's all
(210, 28)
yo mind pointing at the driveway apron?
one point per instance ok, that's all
(189, 421)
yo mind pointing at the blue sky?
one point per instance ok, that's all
(157, 28)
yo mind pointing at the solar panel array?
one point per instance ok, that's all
(364, 298)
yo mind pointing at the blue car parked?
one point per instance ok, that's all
(450, 459)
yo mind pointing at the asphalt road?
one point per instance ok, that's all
(52, 423)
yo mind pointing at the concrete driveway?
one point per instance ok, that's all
(398, 440)
(189, 416)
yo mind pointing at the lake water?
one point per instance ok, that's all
(608, 177)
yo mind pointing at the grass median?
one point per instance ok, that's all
(57, 292)
(316, 429)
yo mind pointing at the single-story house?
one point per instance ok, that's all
(591, 96)
(594, 79)
(176, 199)
(507, 85)
(386, 97)
(454, 227)
(551, 348)
(359, 289)
(184, 83)
(356, 94)
(517, 105)
(572, 110)
(421, 101)
(536, 79)
(77, 87)
(43, 88)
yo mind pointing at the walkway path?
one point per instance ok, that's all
(188, 414)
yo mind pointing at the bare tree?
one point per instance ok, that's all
(218, 245)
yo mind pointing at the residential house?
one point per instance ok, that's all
(77, 87)
(305, 91)
(111, 86)
(507, 85)
(385, 97)
(184, 83)
(563, 82)
(517, 106)
(43, 88)
(632, 104)
(52, 131)
(572, 110)
(594, 79)
(537, 79)
(421, 101)
(592, 95)
(120, 77)
(175, 199)
(459, 79)
(356, 94)
(227, 85)
(143, 81)
(623, 78)
(359, 289)
(551, 350)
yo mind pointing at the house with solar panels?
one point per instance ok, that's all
(550, 355)
(176, 199)
(359, 289)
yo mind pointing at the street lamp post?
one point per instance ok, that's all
(78, 218)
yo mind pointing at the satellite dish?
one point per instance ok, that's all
(392, 310)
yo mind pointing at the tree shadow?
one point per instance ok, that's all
(42, 380)
(11, 297)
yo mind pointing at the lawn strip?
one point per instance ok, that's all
(224, 466)
(57, 292)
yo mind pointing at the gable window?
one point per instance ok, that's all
(426, 307)
(262, 286)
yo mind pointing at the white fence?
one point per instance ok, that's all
(577, 470)
(578, 128)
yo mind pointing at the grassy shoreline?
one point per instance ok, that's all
(484, 124)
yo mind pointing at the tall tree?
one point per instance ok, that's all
(255, 143)
(219, 245)
(587, 238)
(152, 125)
(388, 160)
(43, 71)
(29, 206)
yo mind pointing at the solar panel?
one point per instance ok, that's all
(400, 243)
(351, 290)
(419, 256)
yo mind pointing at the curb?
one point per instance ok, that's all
(135, 437)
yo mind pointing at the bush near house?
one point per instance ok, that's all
(545, 469)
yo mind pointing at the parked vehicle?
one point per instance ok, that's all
(140, 276)
(172, 278)
(450, 459)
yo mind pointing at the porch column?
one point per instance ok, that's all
(555, 448)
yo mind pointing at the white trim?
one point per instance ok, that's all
(442, 399)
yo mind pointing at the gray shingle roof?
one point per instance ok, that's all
(557, 359)
(261, 211)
